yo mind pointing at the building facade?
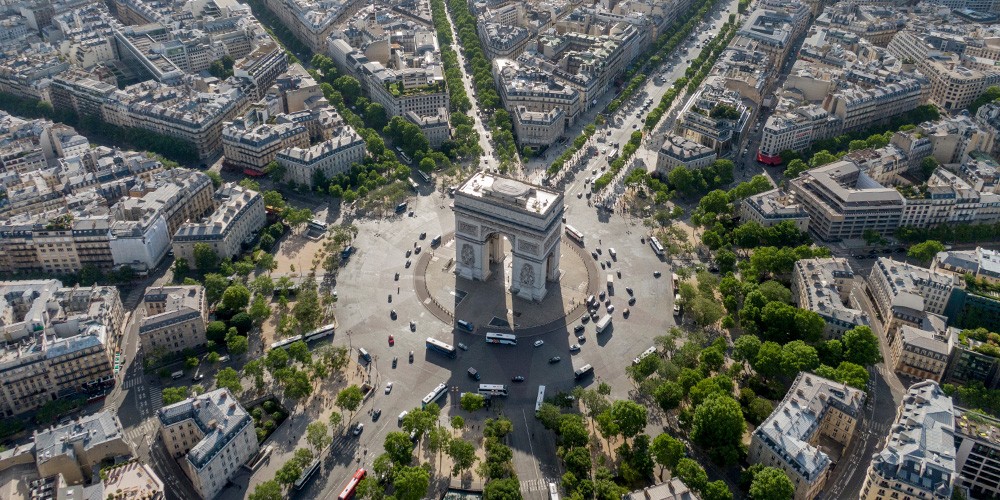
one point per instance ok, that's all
(174, 318)
(240, 214)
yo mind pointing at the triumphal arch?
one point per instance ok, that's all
(489, 207)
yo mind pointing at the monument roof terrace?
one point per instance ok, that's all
(527, 197)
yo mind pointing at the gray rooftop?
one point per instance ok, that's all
(89, 432)
(219, 416)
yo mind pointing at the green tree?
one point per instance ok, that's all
(795, 167)
(667, 451)
(349, 87)
(991, 94)
(349, 399)
(228, 378)
(746, 347)
(318, 435)
(191, 363)
(457, 422)
(215, 285)
(928, 165)
(235, 298)
(205, 257)
(771, 484)
(260, 309)
(263, 285)
(399, 448)
(307, 309)
(502, 489)
(629, 416)
(299, 351)
(472, 402)
(288, 473)
(718, 424)
(925, 252)
(237, 345)
(411, 483)
(691, 473)
(268, 490)
(716, 490)
(668, 395)
(216, 331)
(797, 356)
(173, 395)
(463, 455)
(861, 346)
(297, 385)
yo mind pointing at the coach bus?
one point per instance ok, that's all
(540, 399)
(436, 345)
(434, 395)
(319, 333)
(493, 390)
(574, 234)
(352, 485)
(306, 475)
(501, 338)
(656, 246)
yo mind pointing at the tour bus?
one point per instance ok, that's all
(423, 176)
(583, 371)
(647, 352)
(434, 344)
(434, 395)
(501, 338)
(352, 485)
(465, 325)
(553, 491)
(574, 234)
(656, 246)
(307, 474)
(319, 333)
(540, 399)
(604, 324)
(612, 155)
(493, 390)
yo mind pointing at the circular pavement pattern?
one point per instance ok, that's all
(490, 306)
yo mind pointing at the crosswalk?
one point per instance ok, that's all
(155, 399)
(144, 432)
(532, 485)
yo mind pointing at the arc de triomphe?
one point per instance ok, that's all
(488, 207)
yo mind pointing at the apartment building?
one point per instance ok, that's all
(538, 128)
(57, 342)
(234, 223)
(680, 151)
(981, 263)
(435, 128)
(179, 194)
(918, 460)
(921, 349)
(824, 286)
(788, 439)
(795, 129)
(211, 436)
(953, 86)
(541, 95)
(716, 118)
(311, 21)
(59, 242)
(331, 157)
(503, 41)
(174, 318)
(260, 68)
(250, 143)
(858, 108)
(898, 286)
(773, 207)
(977, 453)
(74, 449)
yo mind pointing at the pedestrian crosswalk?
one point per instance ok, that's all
(531, 485)
(133, 382)
(155, 399)
(144, 432)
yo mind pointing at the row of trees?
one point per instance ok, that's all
(700, 180)
(482, 79)
(629, 149)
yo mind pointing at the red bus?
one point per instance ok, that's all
(352, 486)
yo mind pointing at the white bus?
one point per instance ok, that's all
(320, 333)
(553, 491)
(647, 352)
(501, 338)
(306, 475)
(434, 395)
(574, 234)
(656, 246)
(493, 390)
(540, 400)
(436, 345)
(604, 324)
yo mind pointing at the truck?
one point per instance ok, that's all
(604, 324)
(611, 282)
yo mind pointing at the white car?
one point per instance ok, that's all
(574, 348)
(463, 346)
(388, 387)
(539, 343)
(359, 428)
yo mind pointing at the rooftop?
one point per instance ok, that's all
(527, 197)
(89, 432)
(217, 414)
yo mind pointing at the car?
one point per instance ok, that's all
(602, 265)
(598, 250)
(408, 252)
(574, 348)
(388, 387)
(635, 125)
(358, 428)
(394, 361)
(403, 415)
(585, 319)
(463, 346)
(603, 295)
(631, 301)
(423, 236)
(594, 255)
(407, 264)
(555, 359)
(376, 414)
(413, 326)
(417, 250)
(392, 314)
(579, 195)
(411, 213)
(411, 356)
(626, 312)
(581, 338)
(518, 378)
(611, 308)
(539, 343)
(629, 290)
(397, 277)
(578, 329)
(198, 376)
(607, 302)
(657, 274)
(859, 256)
(594, 316)
(392, 340)
(593, 172)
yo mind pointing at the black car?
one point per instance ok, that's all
(631, 301)
(411, 356)
(656, 274)
(517, 379)
(628, 290)
(585, 319)
(578, 329)
(555, 359)
(392, 314)
(394, 360)
(376, 414)
(594, 255)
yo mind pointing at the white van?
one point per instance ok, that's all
(177, 374)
